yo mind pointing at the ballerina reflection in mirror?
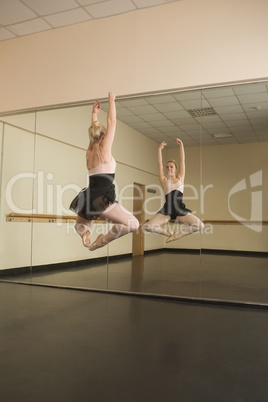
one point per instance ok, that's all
(174, 208)
(98, 199)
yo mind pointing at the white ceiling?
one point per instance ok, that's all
(25, 17)
(241, 111)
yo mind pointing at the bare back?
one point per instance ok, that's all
(96, 155)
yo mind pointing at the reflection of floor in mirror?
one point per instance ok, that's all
(225, 277)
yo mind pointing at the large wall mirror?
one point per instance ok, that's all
(225, 134)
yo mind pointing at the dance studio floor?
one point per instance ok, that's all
(63, 345)
(207, 276)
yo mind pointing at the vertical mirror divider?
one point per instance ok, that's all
(33, 198)
(1, 182)
(201, 194)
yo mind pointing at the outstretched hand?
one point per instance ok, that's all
(96, 106)
(162, 145)
(178, 141)
(111, 96)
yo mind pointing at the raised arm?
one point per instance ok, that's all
(181, 171)
(111, 122)
(95, 111)
(161, 174)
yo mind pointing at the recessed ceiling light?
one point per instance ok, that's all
(222, 135)
(205, 111)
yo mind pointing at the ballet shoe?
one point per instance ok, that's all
(173, 237)
(85, 237)
(99, 242)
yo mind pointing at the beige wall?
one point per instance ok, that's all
(15, 241)
(177, 45)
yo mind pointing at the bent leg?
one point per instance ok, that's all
(83, 228)
(125, 222)
(155, 224)
(191, 223)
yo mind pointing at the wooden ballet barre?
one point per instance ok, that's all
(230, 222)
(233, 222)
(43, 218)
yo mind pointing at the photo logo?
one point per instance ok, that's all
(255, 220)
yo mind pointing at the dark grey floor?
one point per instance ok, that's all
(208, 276)
(74, 346)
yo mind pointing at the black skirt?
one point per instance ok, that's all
(92, 201)
(174, 205)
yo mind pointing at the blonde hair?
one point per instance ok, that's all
(172, 161)
(96, 130)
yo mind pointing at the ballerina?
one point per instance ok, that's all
(174, 208)
(98, 199)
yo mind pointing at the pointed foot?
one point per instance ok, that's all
(173, 237)
(86, 239)
(98, 243)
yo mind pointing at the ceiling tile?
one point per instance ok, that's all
(242, 129)
(262, 130)
(230, 140)
(89, 2)
(110, 7)
(224, 101)
(30, 27)
(217, 129)
(247, 140)
(13, 11)
(154, 117)
(177, 115)
(262, 136)
(188, 95)
(140, 125)
(192, 132)
(190, 126)
(154, 99)
(140, 110)
(185, 121)
(228, 109)
(132, 102)
(261, 114)
(148, 3)
(162, 124)
(131, 119)
(42, 7)
(68, 17)
(170, 129)
(168, 107)
(244, 133)
(5, 34)
(250, 89)
(253, 98)
(217, 92)
(253, 107)
(123, 112)
(234, 116)
(149, 131)
(179, 134)
(238, 123)
(262, 121)
(194, 104)
(208, 119)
